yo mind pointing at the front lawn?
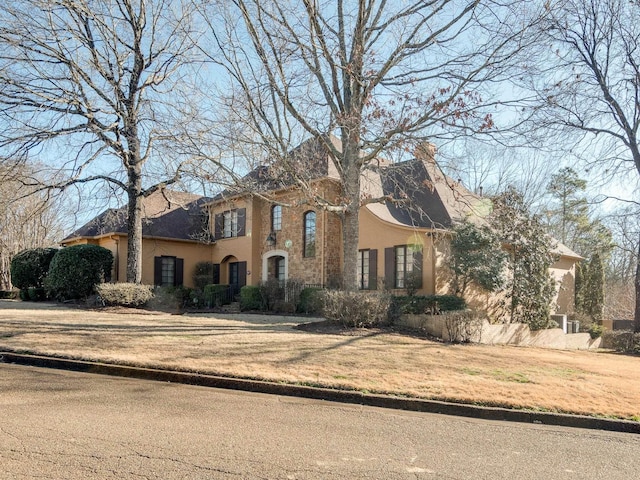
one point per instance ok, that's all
(270, 347)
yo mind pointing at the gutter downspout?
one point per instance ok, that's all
(116, 239)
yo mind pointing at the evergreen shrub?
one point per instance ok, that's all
(37, 294)
(418, 304)
(251, 298)
(75, 271)
(310, 301)
(29, 268)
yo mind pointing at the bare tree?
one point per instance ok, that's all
(92, 88)
(378, 75)
(30, 221)
(588, 84)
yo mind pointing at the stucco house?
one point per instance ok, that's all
(267, 229)
(174, 237)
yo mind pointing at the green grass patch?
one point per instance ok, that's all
(515, 377)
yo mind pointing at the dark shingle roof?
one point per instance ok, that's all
(309, 160)
(423, 196)
(166, 214)
(419, 202)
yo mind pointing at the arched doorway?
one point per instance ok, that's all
(234, 272)
(275, 264)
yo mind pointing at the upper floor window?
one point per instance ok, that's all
(309, 239)
(230, 223)
(276, 218)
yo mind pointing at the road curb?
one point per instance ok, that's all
(344, 396)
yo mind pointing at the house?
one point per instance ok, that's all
(174, 237)
(267, 228)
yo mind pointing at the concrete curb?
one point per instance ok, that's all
(344, 396)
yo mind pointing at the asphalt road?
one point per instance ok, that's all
(67, 425)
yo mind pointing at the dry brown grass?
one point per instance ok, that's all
(270, 348)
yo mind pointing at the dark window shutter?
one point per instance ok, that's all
(219, 223)
(216, 273)
(417, 267)
(242, 274)
(389, 267)
(157, 270)
(179, 280)
(242, 221)
(373, 269)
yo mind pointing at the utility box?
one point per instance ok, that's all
(561, 320)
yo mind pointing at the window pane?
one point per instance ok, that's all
(276, 218)
(233, 273)
(363, 269)
(400, 266)
(409, 260)
(310, 234)
(230, 224)
(280, 268)
(168, 271)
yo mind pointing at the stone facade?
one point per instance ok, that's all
(321, 268)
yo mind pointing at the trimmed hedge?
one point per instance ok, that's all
(29, 268)
(124, 294)
(251, 298)
(36, 294)
(625, 341)
(75, 271)
(310, 301)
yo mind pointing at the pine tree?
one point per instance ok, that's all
(594, 289)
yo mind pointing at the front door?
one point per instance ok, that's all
(237, 276)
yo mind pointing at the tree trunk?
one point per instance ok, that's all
(350, 237)
(134, 226)
(636, 315)
(350, 219)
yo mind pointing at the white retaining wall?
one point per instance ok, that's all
(506, 334)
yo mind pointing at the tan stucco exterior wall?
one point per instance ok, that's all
(236, 249)
(378, 234)
(190, 252)
(564, 273)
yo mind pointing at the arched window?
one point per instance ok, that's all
(276, 218)
(309, 239)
